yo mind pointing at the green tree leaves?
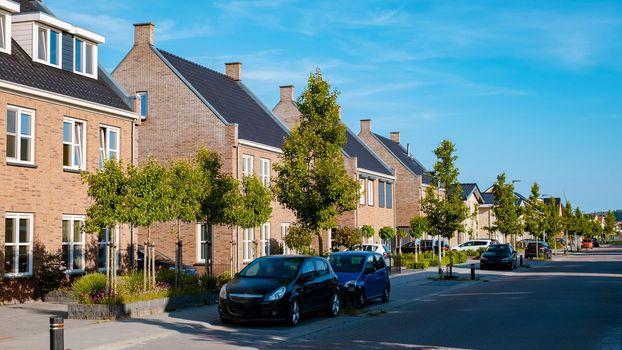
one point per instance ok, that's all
(505, 209)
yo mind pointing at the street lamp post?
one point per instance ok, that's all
(514, 236)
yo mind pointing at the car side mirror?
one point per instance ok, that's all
(369, 270)
(237, 274)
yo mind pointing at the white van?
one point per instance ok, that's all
(474, 244)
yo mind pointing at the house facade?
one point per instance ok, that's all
(62, 115)
(473, 199)
(377, 179)
(487, 217)
(185, 107)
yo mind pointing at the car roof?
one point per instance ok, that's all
(354, 252)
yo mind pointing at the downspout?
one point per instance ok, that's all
(132, 244)
(237, 228)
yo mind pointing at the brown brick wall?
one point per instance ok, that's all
(47, 191)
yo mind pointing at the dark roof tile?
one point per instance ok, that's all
(366, 159)
(19, 68)
(409, 161)
(232, 100)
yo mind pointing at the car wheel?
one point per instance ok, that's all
(293, 316)
(225, 320)
(361, 299)
(335, 305)
(385, 295)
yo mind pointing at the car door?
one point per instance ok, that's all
(308, 286)
(370, 276)
(379, 275)
(325, 289)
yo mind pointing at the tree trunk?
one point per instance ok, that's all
(320, 242)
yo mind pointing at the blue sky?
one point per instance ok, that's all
(532, 88)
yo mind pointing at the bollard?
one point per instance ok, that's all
(472, 271)
(57, 333)
(521, 261)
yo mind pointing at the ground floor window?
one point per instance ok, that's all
(264, 241)
(18, 244)
(102, 245)
(204, 242)
(73, 242)
(247, 244)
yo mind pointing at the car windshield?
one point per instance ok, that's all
(347, 263)
(369, 248)
(498, 249)
(281, 268)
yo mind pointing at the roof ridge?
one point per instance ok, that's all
(373, 154)
(405, 151)
(194, 63)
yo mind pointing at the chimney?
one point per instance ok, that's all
(395, 136)
(234, 70)
(143, 33)
(365, 125)
(287, 93)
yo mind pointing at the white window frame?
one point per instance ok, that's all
(104, 144)
(284, 231)
(247, 165)
(18, 136)
(362, 191)
(7, 32)
(248, 235)
(102, 243)
(265, 171)
(83, 57)
(264, 239)
(71, 244)
(144, 104)
(200, 227)
(370, 192)
(35, 46)
(17, 217)
(73, 144)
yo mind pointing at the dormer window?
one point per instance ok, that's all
(85, 57)
(48, 46)
(5, 32)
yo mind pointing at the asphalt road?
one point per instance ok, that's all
(573, 302)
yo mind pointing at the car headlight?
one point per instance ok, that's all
(223, 292)
(276, 295)
(350, 284)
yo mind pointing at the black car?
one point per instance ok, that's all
(595, 243)
(162, 262)
(543, 250)
(424, 246)
(498, 255)
(280, 287)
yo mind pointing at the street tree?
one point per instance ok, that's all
(445, 212)
(568, 221)
(506, 211)
(534, 214)
(312, 179)
(553, 221)
(367, 231)
(610, 224)
(386, 233)
(107, 189)
(347, 237)
(418, 226)
(299, 239)
(254, 206)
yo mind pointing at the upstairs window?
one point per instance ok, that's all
(5, 36)
(370, 192)
(247, 165)
(362, 191)
(142, 96)
(84, 61)
(389, 199)
(381, 194)
(20, 135)
(108, 144)
(265, 172)
(47, 46)
(74, 150)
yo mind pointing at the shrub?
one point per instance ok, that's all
(422, 264)
(49, 274)
(88, 286)
(386, 233)
(223, 278)
(166, 276)
(407, 260)
(367, 231)
(209, 282)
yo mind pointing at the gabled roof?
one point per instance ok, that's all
(27, 6)
(547, 200)
(471, 188)
(231, 100)
(489, 198)
(19, 68)
(366, 158)
(402, 155)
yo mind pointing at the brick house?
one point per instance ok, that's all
(487, 217)
(377, 198)
(62, 115)
(184, 107)
(473, 199)
(411, 175)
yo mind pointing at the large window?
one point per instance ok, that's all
(370, 192)
(108, 144)
(102, 247)
(85, 57)
(18, 244)
(48, 46)
(264, 241)
(73, 242)
(247, 243)
(204, 242)
(265, 172)
(20, 135)
(247, 165)
(5, 30)
(381, 194)
(142, 96)
(362, 191)
(389, 199)
(74, 144)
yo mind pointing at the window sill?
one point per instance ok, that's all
(23, 165)
(70, 170)
(12, 277)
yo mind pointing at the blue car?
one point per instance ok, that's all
(362, 276)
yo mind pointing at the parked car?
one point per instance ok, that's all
(426, 245)
(374, 247)
(280, 287)
(543, 250)
(498, 255)
(587, 243)
(595, 242)
(363, 276)
(163, 262)
(474, 244)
